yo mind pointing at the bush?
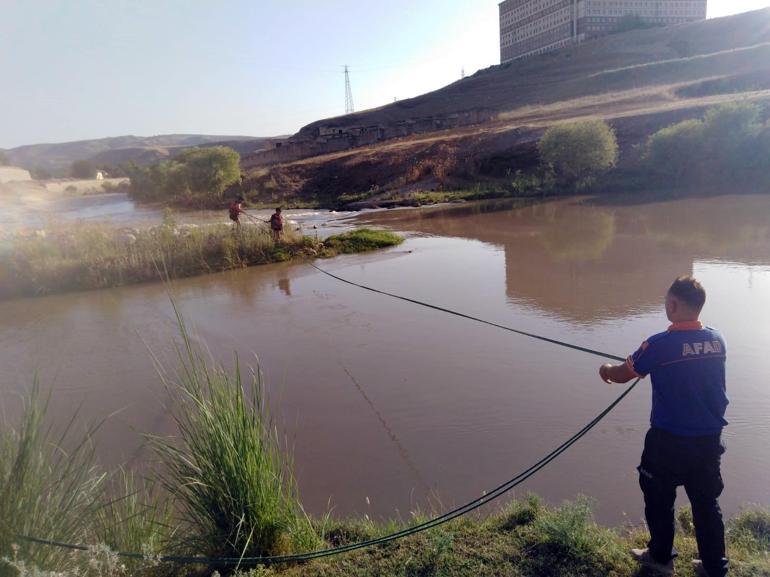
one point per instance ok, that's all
(676, 151)
(579, 152)
(727, 145)
(730, 132)
(4, 160)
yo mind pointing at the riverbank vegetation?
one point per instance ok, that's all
(227, 489)
(730, 144)
(86, 257)
(361, 240)
(727, 145)
(196, 176)
(574, 155)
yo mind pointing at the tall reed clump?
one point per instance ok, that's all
(227, 469)
(49, 485)
(94, 256)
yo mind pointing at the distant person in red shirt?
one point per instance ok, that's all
(236, 210)
(276, 224)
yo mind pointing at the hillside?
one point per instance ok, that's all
(658, 56)
(639, 81)
(57, 157)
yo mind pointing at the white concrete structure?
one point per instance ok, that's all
(13, 174)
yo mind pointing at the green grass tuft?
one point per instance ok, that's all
(227, 470)
(360, 241)
(567, 541)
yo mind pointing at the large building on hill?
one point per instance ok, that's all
(530, 27)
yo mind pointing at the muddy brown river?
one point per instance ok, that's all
(390, 407)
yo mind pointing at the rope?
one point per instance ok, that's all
(472, 318)
(485, 499)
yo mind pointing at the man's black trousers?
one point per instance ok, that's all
(669, 461)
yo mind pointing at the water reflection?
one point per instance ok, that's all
(393, 404)
(285, 286)
(581, 239)
(587, 262)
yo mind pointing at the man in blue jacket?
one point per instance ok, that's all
(683, 446)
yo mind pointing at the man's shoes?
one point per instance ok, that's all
(698, 568)
(643, 557)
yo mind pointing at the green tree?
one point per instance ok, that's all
(4, 160)
(209, 171)
(82, 169)
(198, 172)
(579, 152)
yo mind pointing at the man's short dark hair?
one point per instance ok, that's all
(688, 290)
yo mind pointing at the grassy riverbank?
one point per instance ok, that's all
(86, 257)
(227, 489)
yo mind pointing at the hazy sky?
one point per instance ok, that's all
(75, 69)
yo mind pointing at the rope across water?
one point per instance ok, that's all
(486, 498)
(472, 318)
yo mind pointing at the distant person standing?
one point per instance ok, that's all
(236, 210)
(684, 445)
(276, 224)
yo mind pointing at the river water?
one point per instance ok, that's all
(35, 208)
(390, 407)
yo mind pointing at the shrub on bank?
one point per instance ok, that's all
(729, 145)
(674, 151)
(577, 153)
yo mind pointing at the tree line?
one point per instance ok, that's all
(730, 144)
(197, 173)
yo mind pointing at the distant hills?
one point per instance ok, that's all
(57, 158)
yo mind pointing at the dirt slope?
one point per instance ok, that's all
(687, 52)
(639, 81)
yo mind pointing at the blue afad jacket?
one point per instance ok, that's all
(687, 368)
